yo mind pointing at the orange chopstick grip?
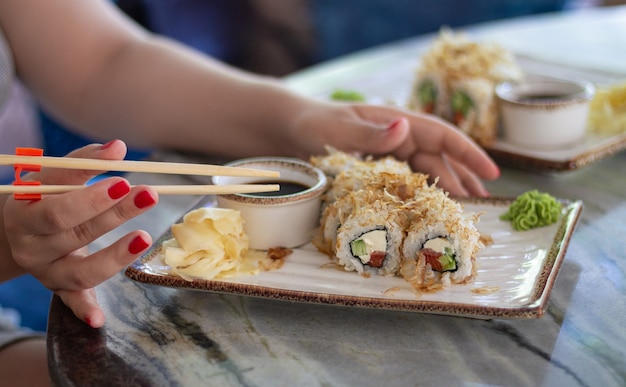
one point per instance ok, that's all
(19, 168)
(35, 152)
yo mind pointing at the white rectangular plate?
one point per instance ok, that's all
(515, 273)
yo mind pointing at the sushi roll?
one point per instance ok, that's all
(379, 218)
(349, 173)
(396, 181)
(440, 245)
(474, 109)
(369, 239)
(334, 162)
(456, 79)
(367, 188)
(332, 217)
(430, 93)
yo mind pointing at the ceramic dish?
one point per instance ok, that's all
(516, 273)
(544, 112)
(592, 148)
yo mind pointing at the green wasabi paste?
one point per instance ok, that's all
(347, 95)
(532, 209)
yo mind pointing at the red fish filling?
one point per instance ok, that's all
(439, 261)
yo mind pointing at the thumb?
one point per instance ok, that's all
(113, 150)
(377, 139)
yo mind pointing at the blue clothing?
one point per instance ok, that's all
(30, 298)
(346, 26)
(58, 141)
(217, 28)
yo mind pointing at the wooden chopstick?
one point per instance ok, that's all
(161, 189)
(135, 166)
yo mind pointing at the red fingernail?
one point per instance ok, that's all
(395, 123)
(137, 245)
(144, 199)
(107, 145)
(88, 321)
(119, 189)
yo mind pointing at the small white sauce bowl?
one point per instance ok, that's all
(271, 219)
(544, 112)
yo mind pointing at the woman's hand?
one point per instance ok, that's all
(429, 144)
(48, 238)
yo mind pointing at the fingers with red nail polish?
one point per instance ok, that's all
(137, 245)
(49, 238)
(119, 190)
(144, 199)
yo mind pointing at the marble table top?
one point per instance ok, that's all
(162, 336)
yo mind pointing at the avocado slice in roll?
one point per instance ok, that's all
(370, 247)
(439, 253)
(427, 95)
(462, 104)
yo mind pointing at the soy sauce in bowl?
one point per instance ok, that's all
(544, 97)
(286, 188)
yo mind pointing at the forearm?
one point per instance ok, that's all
(202, 105)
